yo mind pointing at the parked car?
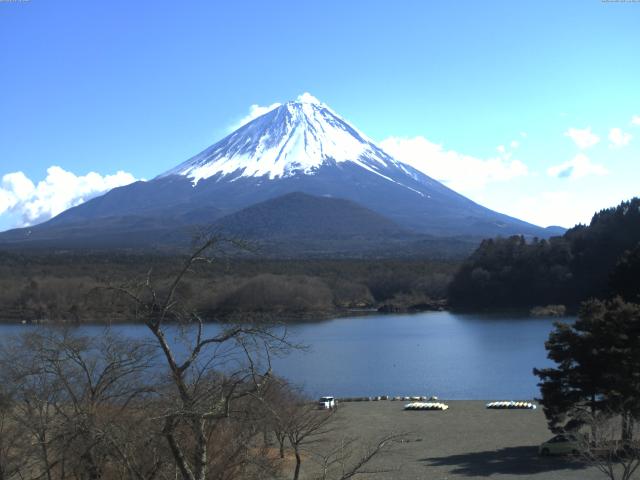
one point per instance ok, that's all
(327, 403)
(563, 444)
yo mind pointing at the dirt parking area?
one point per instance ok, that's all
(466, 441)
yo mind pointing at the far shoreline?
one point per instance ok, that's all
(308, 317)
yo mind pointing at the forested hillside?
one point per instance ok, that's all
(599, 260)
(72, 287)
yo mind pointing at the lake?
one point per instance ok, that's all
(452, 356)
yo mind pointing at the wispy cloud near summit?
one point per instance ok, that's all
(256, 110)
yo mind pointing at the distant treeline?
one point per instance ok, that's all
(596, 261)
(74, 287)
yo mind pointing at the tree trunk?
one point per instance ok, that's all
(45, 455)
(627, 427)
(201, 449)
(91, 467)
(296, 473)
(594, 426)
(178, 456)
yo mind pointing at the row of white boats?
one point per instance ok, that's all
(511, 405)
(426, 406)
(494, 405)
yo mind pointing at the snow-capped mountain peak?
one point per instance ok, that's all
(296, 138)
(300, 148)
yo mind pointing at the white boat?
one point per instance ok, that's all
(510, 404)
(426, 406)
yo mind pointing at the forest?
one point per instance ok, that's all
(601, 260)
(78, 287)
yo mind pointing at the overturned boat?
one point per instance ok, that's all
(511, 405)
(426, 406)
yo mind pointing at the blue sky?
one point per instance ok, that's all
(501, 100)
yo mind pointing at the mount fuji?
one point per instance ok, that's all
(300, 146)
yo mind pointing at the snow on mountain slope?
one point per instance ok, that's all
(294, 138)
(300, 146)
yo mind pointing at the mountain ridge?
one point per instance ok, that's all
(297, 147)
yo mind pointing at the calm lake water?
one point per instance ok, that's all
(453, 356)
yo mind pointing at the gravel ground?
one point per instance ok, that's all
(466, 441)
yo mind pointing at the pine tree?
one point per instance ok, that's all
(598, 367)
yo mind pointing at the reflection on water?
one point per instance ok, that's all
(453, 356)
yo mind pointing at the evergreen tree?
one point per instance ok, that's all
(598, 366)
(601, 260)
(625, 279)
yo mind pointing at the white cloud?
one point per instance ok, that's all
(306, 97)
(635, 120)
(583, 138)
(549, 208)
(59, 191)
(456, 170)
(618, 138)
(565, 208)
(514, 144)
(579, 166)
(255, 111)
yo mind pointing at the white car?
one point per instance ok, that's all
(327, 403)
(564, 444)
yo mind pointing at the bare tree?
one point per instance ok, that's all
(138, 451)
(11, 441)
(311, 433)
(279, 399)
(209, 369)
(34, 406)
(190, 401)
(70, 394)
(292, 417)
(611, 447)
(305, 426)
(348, 458)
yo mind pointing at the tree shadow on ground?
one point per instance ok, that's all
(511, 460)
